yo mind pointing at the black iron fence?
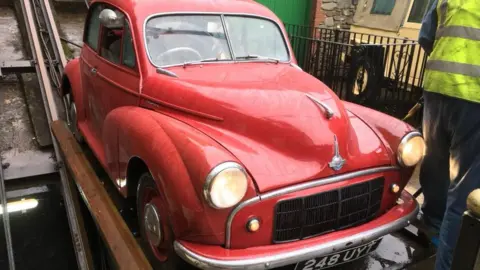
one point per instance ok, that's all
(384, 73)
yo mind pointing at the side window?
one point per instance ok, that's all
(128, 52)
(93, 27)
(383, 7)
(111, 44)
(419, 8)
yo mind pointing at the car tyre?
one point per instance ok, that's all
(72, 120)
(364, 76)
(162, 256)
(362, 81)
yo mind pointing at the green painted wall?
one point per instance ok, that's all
(290, 11)
(293, 12)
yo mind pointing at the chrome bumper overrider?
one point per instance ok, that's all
(292, 257)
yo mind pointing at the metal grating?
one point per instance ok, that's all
(309, 216)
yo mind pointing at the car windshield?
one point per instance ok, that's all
(181, 39)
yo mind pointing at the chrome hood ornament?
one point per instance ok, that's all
(337, 160)
(328, 110)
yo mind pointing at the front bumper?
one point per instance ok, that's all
(272, 256)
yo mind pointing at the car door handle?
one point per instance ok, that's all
(93, 71)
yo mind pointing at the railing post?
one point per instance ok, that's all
(467, 255)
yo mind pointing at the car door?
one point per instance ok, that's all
(117, 72)
(87, 119)
(117, 82)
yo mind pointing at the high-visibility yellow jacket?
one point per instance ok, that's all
(453, 68)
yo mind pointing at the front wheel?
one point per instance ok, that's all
(72, 120)
(155, 230)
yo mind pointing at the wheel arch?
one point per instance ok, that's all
(71, 83)
(137, 141)
(66, 86)
(135, 169)
(71, 78)
(178, 156)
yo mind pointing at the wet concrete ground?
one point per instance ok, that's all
(41, 234)
(10, 45)
(19, 144)
(15, 130)
(71, 18)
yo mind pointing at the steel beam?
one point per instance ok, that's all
(54, 35)
(16, 66)
(6, 220)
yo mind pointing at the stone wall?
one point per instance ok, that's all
(338, 13)
(318, 14)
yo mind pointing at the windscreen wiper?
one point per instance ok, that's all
(172, 74)
(206, 60)
(254, 56)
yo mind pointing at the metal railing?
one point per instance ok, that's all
(381, 72)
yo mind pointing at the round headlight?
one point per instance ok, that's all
(411, 149)
(226, 185)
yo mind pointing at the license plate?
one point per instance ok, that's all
(334, 259)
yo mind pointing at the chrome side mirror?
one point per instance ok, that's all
(111, 19)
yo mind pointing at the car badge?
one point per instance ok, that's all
(337, 160)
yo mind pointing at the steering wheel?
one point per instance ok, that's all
(180, 49)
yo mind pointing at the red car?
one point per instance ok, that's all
(237, 159)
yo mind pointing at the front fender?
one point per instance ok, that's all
(72, 81)
(389, 129)
(179, 158)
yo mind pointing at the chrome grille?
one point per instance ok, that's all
(309, 216)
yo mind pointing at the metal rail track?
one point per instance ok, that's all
(50, 39)
(6, 221)
(49, 61)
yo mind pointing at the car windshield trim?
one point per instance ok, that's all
(173, 32)
(257, 57)
(206, 60)
(222, 15)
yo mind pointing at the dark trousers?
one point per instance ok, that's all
(451, 167)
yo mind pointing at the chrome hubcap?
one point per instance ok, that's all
(72, 113)
(72, 121)
(151, 221)
(66, 103)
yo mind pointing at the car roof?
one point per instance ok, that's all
(141, 9)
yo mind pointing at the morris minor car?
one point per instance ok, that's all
(235, 157)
